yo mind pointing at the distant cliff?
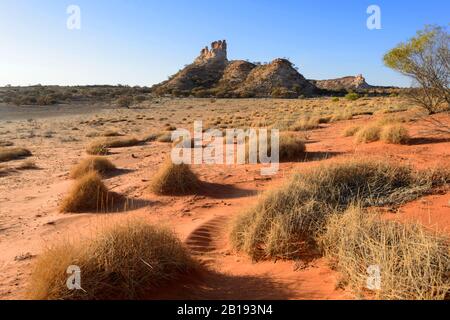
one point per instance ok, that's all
(346, 83)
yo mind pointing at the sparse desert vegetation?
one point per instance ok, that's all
(88, 193)
(175, 179)
(287, 223)
(130, 260)
(414, 261)
(172, 186)
(8, 154)
(100, 165)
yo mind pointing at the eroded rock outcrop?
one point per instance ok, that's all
(354, 83)
(211, 74)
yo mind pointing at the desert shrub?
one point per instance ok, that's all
(139, 99)
(46, 100)
(369, 133)
(123, 261)
(88, 194)
(335, 99)
(282, 92)
(98, 164)
(351, 131)
(396, 134)
(8, 154)
(352, 96)
(414, 262)
(175, 179)
(124, 101)
(285, 222)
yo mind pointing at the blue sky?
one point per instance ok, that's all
(141, 42)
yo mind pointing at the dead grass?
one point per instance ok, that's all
(8, 154)
(175, 179)
(368, 134)
(88, 194)
(122, 261)
(306, 124)
(27, 165)
(101, 146)
(97, 148)
(120, 142)
(165, 137)
(395, 134)
(286, 221)
(98, 164)
(351, 131)
(414, 262)
(291, 148)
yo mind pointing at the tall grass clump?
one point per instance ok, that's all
(123, 261)
(88, 194)
(351, 131)
(286, 221)
(306, 124)
(175, 179)
(395, 134)
(414, 262)
(98, 164)
(368, 134)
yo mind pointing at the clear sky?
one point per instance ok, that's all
(142, 42)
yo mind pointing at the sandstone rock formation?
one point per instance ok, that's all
(211, 74)
(278, 78)
(346, 83)
(218, 52)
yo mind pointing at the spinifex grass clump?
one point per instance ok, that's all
(98, 164)
(8, 154)
(124, 261)
(414, 263)
(287, 221)
(88, 194)
(395, 134)
(175, 179)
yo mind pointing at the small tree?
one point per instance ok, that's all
(426, 59)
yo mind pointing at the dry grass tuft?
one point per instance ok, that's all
(367, 134)
(285, 222)
(351, 131)
(175, 179)
(97, 149)
(291, 148)
(165, 137)
(88, 194)
(395, 134)
(98, 164)
(414, 263)
(8, 154)
(101, 146)
(27, 165)
(306, 124)
(123, 261)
